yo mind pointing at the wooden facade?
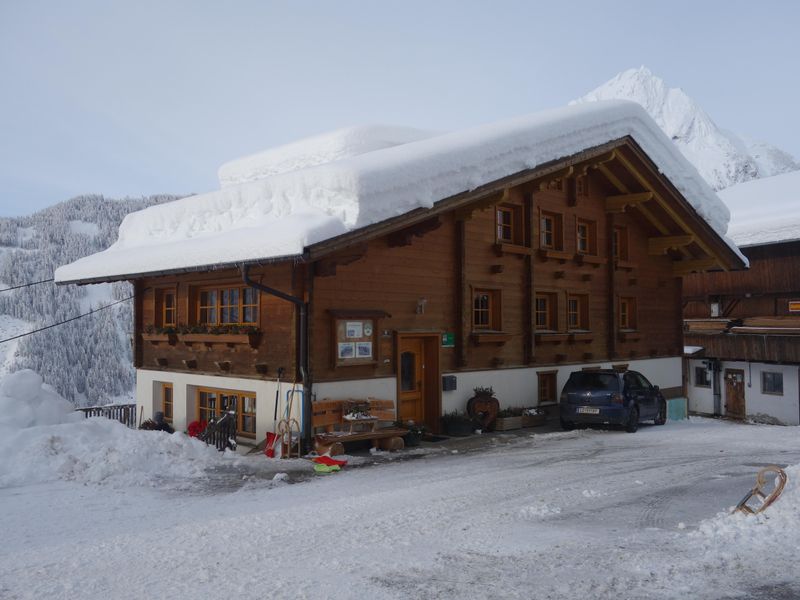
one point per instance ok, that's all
(576, 262)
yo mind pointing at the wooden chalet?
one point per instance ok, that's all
(743, 329)
(575, 263)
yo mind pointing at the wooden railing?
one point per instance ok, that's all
(221, 433)
(124, 413)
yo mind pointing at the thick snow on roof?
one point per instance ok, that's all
(766, 210)
(317, 150)
(282, 214)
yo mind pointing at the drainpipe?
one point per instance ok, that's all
(302, 346)
(717, 383)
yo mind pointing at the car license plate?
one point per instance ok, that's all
(588, 410)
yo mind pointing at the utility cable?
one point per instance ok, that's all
(94, 310)
(22, 285)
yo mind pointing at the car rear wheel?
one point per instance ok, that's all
(661, 417)
(567, 425)
(633, 420)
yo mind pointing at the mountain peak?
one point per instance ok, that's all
(721, 157)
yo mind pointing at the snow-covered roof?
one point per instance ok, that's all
(764, 211)
(282, 214)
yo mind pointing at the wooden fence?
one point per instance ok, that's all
(124, 413)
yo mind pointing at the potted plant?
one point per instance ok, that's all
(483, 407)
(416, 431)
(457, 424)
(509, 418)
(533, 417)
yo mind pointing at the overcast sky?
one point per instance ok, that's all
(140, 97)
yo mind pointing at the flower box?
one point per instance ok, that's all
(508, 423)
(230, 339)
(533, 420)
(158, 338)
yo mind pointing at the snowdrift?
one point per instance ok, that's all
(42, 438)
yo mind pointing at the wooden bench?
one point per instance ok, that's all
(329, 416)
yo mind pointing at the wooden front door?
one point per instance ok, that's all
(734, 393)
(411, 379)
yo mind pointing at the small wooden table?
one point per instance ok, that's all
(371, 422)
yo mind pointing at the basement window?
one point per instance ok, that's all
(772, 383)
(702, 378)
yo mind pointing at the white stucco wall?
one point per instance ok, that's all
(701, 399)
(513, 387)
(520, 387)
(184, 386)
(785, 408)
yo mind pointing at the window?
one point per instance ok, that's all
(627, 313)
(486, 309)
(168, 315)
(702, 378)
(212, 404)
(586, 237)
(550, 231)
(547, 387)
(505, 224)
(228, 306)
(577, 312)
(794, 306)
(772, 383)
(166, 401)
(619, 243)
(582, 185)
(545, 312)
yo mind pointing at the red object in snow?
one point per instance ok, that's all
(327, 460)
(196, 428)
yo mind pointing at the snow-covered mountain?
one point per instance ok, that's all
(87, 360)
(723, 158)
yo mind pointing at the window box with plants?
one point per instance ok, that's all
(457, 424)
(222, 334)
(159, 335)
(508, 419)
(533, 417)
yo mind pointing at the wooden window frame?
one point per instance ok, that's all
(218, 306)
(169, 314)
(706, 377)
(218, 411)
(590, 237)
(550, 312)
(556, 230)
(169, 415)
(763, 383)
(581, 313)
(619, 243)
(493, 311)
(793, 306)
(502, 227)
(546, 379)
(627, 317)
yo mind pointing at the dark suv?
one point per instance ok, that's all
(611, 397)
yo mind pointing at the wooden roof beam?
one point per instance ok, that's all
(562, 174)
(667, 208)
(684, 267)
(620, 202)
(659, 245)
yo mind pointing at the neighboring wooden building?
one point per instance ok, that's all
(574, 263)
(743, 328)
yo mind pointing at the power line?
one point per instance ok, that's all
(94, 310)
(22, 285)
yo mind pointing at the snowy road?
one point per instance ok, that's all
(588, 514)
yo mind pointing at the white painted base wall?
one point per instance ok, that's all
(513, 387)
(785, 408)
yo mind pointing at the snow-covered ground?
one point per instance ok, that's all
(98, 511)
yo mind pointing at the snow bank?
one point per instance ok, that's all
(282, 214)
(317, 150)
(764, 210)
(42, 438)
(766, 543)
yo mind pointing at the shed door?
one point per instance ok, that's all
(734, 393)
